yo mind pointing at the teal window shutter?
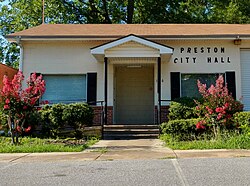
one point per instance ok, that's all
(65, 88)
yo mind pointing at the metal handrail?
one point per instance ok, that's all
(159, 109)
(162, 100)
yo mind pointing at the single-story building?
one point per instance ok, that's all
(135, 69)
(8, 71)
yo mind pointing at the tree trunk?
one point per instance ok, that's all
(106, 13)
(130, 11)
(13, 130)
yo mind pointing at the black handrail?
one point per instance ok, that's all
(159, 110)
(162, 100)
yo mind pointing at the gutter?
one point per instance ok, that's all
(154, 37)
(18, 41)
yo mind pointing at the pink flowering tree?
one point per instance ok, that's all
(217, 107)
(19, 103)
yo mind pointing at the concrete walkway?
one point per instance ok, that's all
(132, 149)
(108, 150)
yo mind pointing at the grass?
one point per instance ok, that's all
(225, 141)
(30, 145)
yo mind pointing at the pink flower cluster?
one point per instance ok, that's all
(17, 100)
(201, 125)
(218, 105)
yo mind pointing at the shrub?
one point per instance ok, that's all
(51, 119)
(78, 115)
(19, 103)
(184, 129)
(242, 120)
(182, 108)
(55, 117)
(3, 120)
(217, 108)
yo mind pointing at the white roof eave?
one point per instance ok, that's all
(101, 49)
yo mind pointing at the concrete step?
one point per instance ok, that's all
(132, 126)
(130, 136)
(130, 131)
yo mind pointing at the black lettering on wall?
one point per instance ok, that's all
(209, 59)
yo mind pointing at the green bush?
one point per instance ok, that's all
(242, 120)
(182, 108)
(78, 115)
(183, 129)
(53, 118)
(3, 119)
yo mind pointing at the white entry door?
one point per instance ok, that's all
(134, 102)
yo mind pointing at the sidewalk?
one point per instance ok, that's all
(108, 150)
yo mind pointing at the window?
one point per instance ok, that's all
(189, 83)
(65, 88)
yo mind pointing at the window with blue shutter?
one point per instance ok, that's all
(65, 88)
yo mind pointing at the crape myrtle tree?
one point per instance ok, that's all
(18, 103)
(17, 15)
(217, 108)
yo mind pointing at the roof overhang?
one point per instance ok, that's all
(14, 39)
(101, 51)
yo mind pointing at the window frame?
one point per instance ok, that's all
(197, 73)
(68, 74)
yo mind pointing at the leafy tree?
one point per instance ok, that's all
(230, 11)
(218, 107)
(18, 102)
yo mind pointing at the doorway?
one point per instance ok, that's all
(134, 94)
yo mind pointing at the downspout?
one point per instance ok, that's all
(18, 41)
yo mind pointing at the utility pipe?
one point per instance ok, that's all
(18, 41)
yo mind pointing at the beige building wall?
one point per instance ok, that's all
(63, 58)
(227, 52)
(68, 57)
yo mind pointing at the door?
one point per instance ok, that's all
(134, 103)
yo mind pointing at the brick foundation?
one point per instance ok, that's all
(98, 113)
(164, 113)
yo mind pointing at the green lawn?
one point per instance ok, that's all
(29, 145)
(233, 141)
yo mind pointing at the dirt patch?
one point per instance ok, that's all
(67, 141)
